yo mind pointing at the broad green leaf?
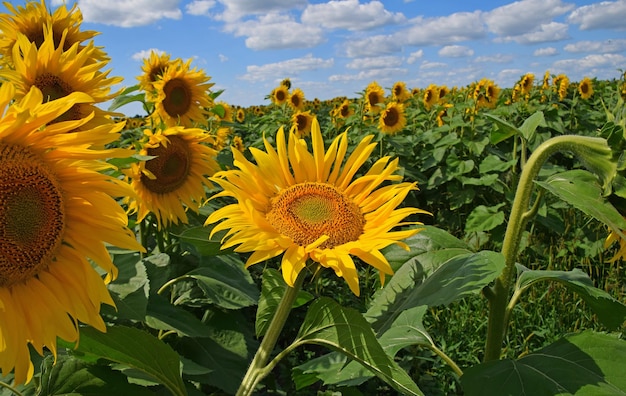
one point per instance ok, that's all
(580, 188)
(272, 290)
(199, 239)
(505, 129)
(585, 364)
(72, 377)
(162, 315)
(530, 125)
(484, 218)
(346, 331)
(122, 100)
(610, 311)
(134, 348)
(130, 289)
(493, 163)
(226, 282)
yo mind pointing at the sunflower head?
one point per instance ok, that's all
(296, 100)
(312, 206)
(240, 116)
(431, 96)
(279, 95)
(399, 92)
(585, 88)
(392, 119)
(302, 122)
(526, 83)
(153, 68)
(374, 97)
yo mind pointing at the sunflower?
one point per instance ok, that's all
(374, 97)
(296, 100)
(228, 112)
(546, 80)
(392, 119)
(302, 122)
(443, 91)
(562, 87)
(57, 73)
(240, 116)
(182, 96)
(431, 96)
(153, 68)
(286, 83)
(526, 83)
(310, 206)
(175, 178)
(344, 110)
(280, 95)
(57, 211)
(238, 144)
(30, 21)
(399, 92)
(585, 88)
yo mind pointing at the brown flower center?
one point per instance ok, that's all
(307, 211)
(32, 217)
(391, 117)
(52, 87)
(170, 167)
(177, 100)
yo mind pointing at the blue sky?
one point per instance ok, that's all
(335, 48)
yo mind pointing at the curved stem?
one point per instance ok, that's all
(590, 151)
(256, 370)
(446, 359)
(10, 388)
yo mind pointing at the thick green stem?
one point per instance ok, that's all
(10, 388)
(256, 370)
(591, 151)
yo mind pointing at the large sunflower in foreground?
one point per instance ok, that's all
(30, 21)
(57, 73)
(182, 96)
(311, 205)
(57, 211)
(176, 178)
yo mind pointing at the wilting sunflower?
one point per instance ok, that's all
(153, 68)
(58, 73)
(30, 21)
(57, 211)
(279, 95)
(296, 100)
(399, 92)
(392, 119)
(431, 96)
(302, 122)
(309, 205)
(585, 88)
(182, 96)
(176, 178)
(374, 98)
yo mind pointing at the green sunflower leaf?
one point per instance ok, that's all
(585, 364)
(134, 348)
(346, 331)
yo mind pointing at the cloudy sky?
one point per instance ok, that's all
(335, 48)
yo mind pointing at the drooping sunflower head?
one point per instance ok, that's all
(175, 179)
(57, 213)
(374, 98)
(392, 119)
(183, 96)
(279, 95)
(153, 68)
(31, 20)
(585, 88)
(296, 100)
(314, 205)
(399, 92)
(302, 122)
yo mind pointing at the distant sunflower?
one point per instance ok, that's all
(57, 213)
(308, 205)
(238, 144)
(585, 88)
(443, 91)
(344, 110)
(392, 119)
(399, 92)
(526, 83)
(153, 68)
(280, 95)
(492, 91)
(228, 112)
(58, 73)
(546, 80)
(286, 83)
(374, 98)
(296, 100)
(431, 96)
(561, 83)
(176, 178)
(240, 116)
(302, 122)
(182, 96)
(30, 21)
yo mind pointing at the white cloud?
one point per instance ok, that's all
(377, 62)
(372, 46)
(129, 13)
(222, 57)
(235, 10)
(608, 46)
(415, 56)
(546, 51)
(496, 58)
(199, 7)
(592, 63)
(273, 31)
(460, 26)
(379, 75)
(432, 65)
(350, 15)
(455, 51)
(553, 31)
(288, 68)
(145, 54)
(524, 16)
(603, 15)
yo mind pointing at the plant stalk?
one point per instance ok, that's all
(256, 370)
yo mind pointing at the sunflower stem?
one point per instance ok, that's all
(256, 370)
(10, 388)
(595, 154)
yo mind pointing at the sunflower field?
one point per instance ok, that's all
(407, 240)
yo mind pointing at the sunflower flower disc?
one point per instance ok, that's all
(311, 205)
(57, 212)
